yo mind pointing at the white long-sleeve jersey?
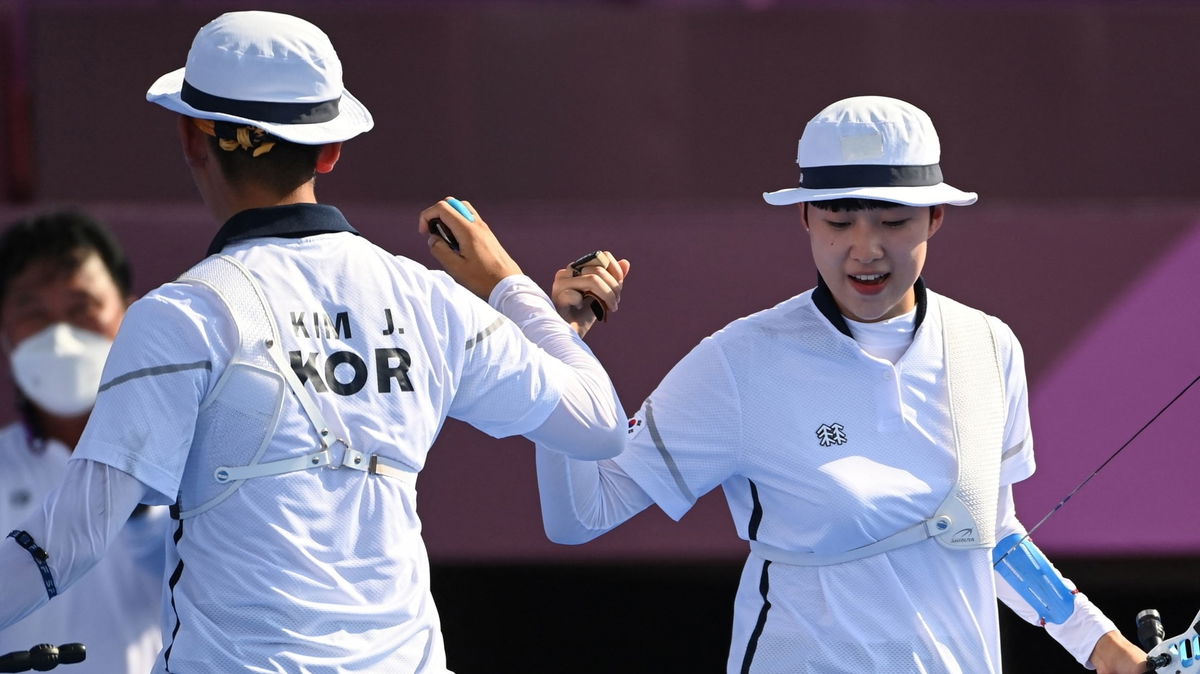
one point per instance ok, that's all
(317, 570)
(823, 454)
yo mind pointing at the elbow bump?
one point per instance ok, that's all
(568, 537)
(607, 445)
(592, 453)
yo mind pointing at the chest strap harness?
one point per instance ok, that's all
(966, 519)
(241, 292)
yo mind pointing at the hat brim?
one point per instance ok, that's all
(353, 117)
(924, 195)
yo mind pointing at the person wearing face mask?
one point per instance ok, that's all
(284, 393)
(64, 288)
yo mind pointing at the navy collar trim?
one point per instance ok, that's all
(823, 298)
(292, 222)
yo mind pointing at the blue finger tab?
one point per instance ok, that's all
(463, 210)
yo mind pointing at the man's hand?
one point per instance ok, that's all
(1114, 654)
(574, 291)
(480, 262)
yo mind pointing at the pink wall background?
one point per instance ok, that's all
(651, 130)
(1126, 364)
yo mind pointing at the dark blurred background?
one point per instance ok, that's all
(651, 128)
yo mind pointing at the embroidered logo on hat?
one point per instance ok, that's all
(859, 147)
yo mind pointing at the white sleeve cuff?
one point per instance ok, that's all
(1078, 634)
(1082, 630)
(522, 300)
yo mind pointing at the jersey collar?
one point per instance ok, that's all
(292, 222)
(828, 307)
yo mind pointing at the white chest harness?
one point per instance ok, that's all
(258, 365)
(966, 519)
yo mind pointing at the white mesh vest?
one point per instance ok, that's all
(975, 391)
(238, 418)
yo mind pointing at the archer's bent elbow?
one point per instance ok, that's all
(569, 536)
(598, 444)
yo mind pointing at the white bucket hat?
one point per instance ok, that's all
(871, 147)
(274, 71)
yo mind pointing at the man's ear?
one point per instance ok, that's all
(193, 141)
(328, 157)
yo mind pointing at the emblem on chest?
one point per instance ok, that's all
(831, 434)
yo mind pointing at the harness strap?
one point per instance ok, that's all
(275, 351)
(975, 385)
(351, 458)
(952, 518)
(326, 456)
(914, 534)
(975, 389)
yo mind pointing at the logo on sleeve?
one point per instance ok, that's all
(635, 426)
(831, 434)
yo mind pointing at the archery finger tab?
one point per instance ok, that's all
(595, 258)
(599, 308)
(462, 209)
(442, 230)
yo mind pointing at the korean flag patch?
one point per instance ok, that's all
(636, 424)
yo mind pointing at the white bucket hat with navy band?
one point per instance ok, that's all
(871, 147)
(274, 71)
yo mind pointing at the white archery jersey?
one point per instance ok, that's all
(822, 447)
(319, 570)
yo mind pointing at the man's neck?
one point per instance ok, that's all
(230, 202)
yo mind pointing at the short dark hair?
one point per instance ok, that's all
(65, 237)
(839, 205)
(285, 167)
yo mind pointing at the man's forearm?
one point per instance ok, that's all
(589, 421)
(73, 527)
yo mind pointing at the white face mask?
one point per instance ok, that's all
(59, 368)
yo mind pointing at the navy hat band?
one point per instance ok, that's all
(261, 111)
(869, 175)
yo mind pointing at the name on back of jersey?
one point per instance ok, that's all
(347, 372)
